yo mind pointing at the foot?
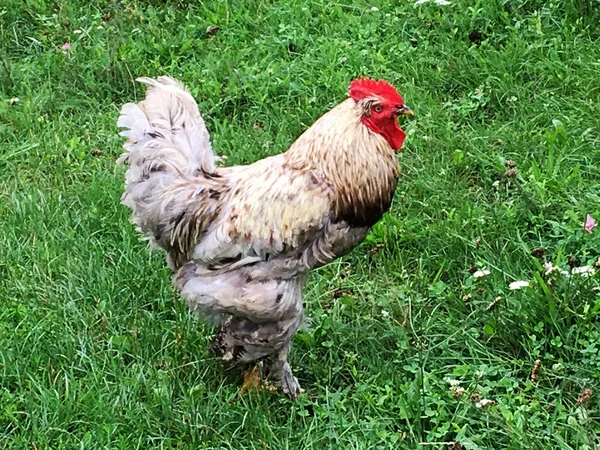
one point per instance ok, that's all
(279, 373)
(287, 382)
(252, 379)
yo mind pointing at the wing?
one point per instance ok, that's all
(272, 210)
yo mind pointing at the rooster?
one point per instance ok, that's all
(240, 240)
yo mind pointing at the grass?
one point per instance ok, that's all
(96, 349)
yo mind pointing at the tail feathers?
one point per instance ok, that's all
(168, 153)
(167, 117)
(136, 123)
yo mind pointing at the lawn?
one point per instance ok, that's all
(415, 340)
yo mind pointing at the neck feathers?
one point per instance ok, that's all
(360, 164)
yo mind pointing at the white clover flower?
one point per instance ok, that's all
(549, 268)
(452, 382)
(496, 183)
(385, 313)
(420, 2)
(484, 402)
(515, 285)
(481, 273)
(374, 8)
(584, 271)
(457, 392)
(552, 268)
(442, 2)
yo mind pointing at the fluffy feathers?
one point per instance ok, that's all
(240, 239)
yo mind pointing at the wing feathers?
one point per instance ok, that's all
(272, 210)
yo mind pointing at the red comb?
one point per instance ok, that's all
(367, 87)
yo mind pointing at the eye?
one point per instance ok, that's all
(377, 108)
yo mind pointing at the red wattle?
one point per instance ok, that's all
(392, 133)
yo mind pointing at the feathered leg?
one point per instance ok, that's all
(241, 338)
(239, 342)
(280, 373)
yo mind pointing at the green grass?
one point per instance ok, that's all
(96, 349)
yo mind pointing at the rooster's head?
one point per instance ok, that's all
(381, 105)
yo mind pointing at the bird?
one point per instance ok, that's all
(240, 240)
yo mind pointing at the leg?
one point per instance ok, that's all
(217, 344)
(280, 373)
(240, 341)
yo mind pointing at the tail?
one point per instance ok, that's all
(170, 183)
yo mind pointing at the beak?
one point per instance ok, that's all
(403, 110)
